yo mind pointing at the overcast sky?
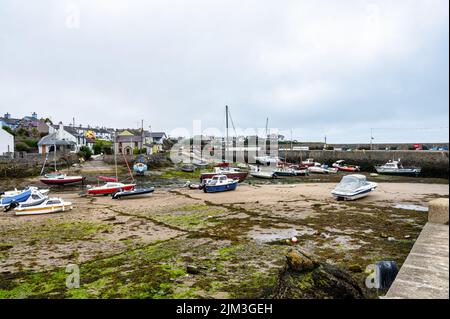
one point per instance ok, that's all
(334, 68)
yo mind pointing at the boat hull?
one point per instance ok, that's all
(401, 172)
(263, 175)
(240, 176)
(353, 195)
(132, 194)
(110, 190)
(62, 181)
(36, 210)
(220, 188)
(22, 197)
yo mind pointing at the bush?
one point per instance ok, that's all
(9, 130)
(22, 147)
(31, 143)
(85, 152)
(137, 151)
(102, 146)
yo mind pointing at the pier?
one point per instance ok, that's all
(425, 273)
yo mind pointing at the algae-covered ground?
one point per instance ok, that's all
(180, 243)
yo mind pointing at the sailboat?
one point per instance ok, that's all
(59, 178)
(225, 168)
(267, 159)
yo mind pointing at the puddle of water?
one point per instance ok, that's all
(268, 235)
(411, 207)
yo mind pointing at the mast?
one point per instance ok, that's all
(54, 155)
(115, 155)
(142, 135)
(267, 136)
(226, 125)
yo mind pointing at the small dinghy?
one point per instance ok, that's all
(284, 172)
(140, 168)
(50, 205)
(352, 187)
(133, 193)
(219, 183)
(200, 164)
(188, 168)
(110, 188)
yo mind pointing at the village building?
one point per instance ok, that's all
(6, 143)
(60, 138)
(127, 141)
(10, 122)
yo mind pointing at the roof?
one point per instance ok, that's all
(155, 134)
(52, 139)
(125, 133)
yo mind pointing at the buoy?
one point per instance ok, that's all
(294, 239)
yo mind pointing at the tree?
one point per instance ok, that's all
(22, 147)
(102, 146)
(9, 130)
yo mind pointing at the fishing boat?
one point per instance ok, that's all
(342, 166)
(21, 197)
(352, 187)
(219, 183)
(110, 188)
(50, 205)
(133, 193)
(61, 179)
(17, 192)
(257, 172)
(396, 168)
(301, 171)
(225, 169)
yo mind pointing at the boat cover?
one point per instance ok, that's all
(350, 183)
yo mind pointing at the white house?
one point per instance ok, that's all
(63, 140)
(6, 142)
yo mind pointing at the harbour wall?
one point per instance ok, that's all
(433, 163)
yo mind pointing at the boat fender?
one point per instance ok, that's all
(386, 271)
(11, 206)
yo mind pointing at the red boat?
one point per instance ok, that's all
(61, 179)
(110, 188)
(341, 166)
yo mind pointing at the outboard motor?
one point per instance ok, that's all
(11, 206)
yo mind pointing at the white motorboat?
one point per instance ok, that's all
(352, 187)
(396, 168)
(267, 160)
(50, 205)
(35, 198)
(257, 172)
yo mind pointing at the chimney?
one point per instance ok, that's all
(7, 116)
(34, 115)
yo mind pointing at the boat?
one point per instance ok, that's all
(342, 166)
(257, 172)
(189, 168)
(352, 187)
(140, 165)
(284, 172)
(110, 188)
(200, 164)
(396, 168)
(219, 183)
(225, 169)
(107, 179)
(50, 205)
(308, 163)
(21, 197)
(17, 192)
(36, 198)
(322, 169)
(133, 193)
(61, 179)
(301, 171)
(267, 160)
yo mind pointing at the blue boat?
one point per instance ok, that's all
(220, 183)
(140, 168)
(19, 198)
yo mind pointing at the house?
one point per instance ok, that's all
(6, 143)
(32, 122)
(154, 140)
(126, 142)
(60, 138)
(10, 122)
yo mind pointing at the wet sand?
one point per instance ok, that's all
(227, 236)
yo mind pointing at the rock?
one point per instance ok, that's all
(304, 277)
(383, 235)
(109, 219)
(391, 238)
(193, 270)
(355, 268)
(407, 236)
(299, 261)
